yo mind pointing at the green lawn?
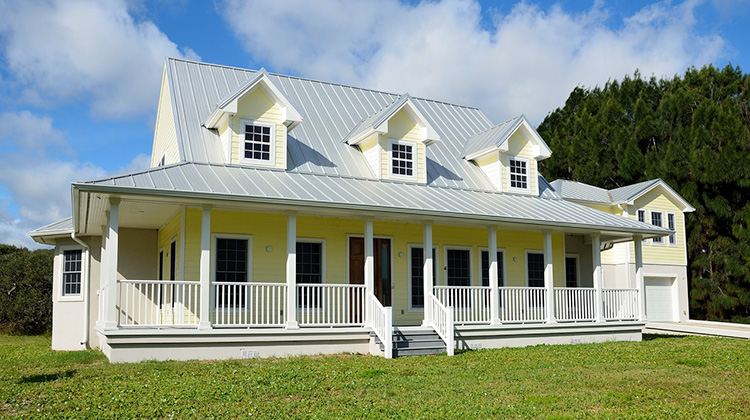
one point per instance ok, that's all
(662, 377)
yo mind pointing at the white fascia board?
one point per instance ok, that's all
(540, 147)
(668, 191)
(428, 133)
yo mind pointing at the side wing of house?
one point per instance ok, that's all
(165, 149)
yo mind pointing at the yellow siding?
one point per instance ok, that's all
(165, 132)
(258, 107)
(167, 233)
(661, 253)
(401, 127)
(518, 146)
(192, 244)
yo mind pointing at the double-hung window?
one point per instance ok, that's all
(402, 159)
(535, 269)
(458, 267)
(258, 144)
(518, 171)
(671, 226)
(656, 220)
(486, 268)
(72, 272)
(416, 275)
(232, 264)
(309, 271)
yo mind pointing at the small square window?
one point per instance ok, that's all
(518, 174)
(402, 159)
(258, 142)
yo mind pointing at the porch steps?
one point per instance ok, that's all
(414, 341)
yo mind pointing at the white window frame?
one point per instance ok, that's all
(446, 248)
(578, 269)
(272, 154)
(413, 145)
(435, 277)
(672, 239)
(322, 241)
(481, 266)
(637, 217)
(528, 174)
(249, 238)
(60, 273)
(526, 253)
(658, 241)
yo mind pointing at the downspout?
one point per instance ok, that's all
(86, 291)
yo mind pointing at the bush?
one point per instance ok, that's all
(25, 290)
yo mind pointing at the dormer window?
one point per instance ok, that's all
(519, 175)
(402, 159)
(258, 142)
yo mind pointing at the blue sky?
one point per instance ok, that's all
(79, 79)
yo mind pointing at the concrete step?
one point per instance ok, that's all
(414, 342)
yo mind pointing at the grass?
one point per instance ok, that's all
(661, 377)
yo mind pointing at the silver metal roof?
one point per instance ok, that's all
(491, 138)
(628, 192)
(330, 112)
(572, 190)
(64, 226)
(239, 183)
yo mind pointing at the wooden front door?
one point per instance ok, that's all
(382, 254)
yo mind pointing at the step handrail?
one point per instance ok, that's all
(442, 322)
(381, 321)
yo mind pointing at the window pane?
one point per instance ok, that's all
(459, 271)
(571, 272)
(71, 276)
(402, 159)
(231, 266)
(518, 174)
(535, 269)
(257, 142)
(417, 275)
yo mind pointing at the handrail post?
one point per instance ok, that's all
(450, 342)
(388, 339)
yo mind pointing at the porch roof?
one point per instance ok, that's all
(235, 183)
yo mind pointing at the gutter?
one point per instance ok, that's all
(87, 288)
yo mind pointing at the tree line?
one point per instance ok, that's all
(693, 131)
(25, 290)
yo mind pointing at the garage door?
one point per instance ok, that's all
(659, 299)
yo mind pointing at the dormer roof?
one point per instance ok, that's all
(580, 192)
(496, 138)
(228, 104)
(378, 122)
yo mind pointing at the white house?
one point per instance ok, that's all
(287, 216)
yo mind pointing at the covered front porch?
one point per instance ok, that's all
(484, 282)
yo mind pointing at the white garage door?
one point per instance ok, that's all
(659, 299)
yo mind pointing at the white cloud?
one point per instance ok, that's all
(95, 50)
(31, 132)
(527, 62)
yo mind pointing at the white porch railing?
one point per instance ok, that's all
(381, 321)
(249, 304)
(331, 305)
(471, 304)
(620, 304)
(575, 304)
(523, 304)
(158, 303)
(442, 322)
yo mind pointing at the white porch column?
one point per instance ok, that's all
(427, 273)
(101, 313)
(637, 240)
(596, 261)
(548, 278)
(494, 280)
(205, 269)
(291, 271)
(369, 270)
(113, 226)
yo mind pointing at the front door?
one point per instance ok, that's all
(382, 254)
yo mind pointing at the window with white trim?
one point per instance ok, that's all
(656, 220)
(258, 143)
(671, 226)
(402, 159)
(535, 269)
(232, 266)
(416, 275)
(518, 170)
(458, 267)
(72, 272)
(486, 268)
(642, 216)
(571, 271)
(309, 271)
